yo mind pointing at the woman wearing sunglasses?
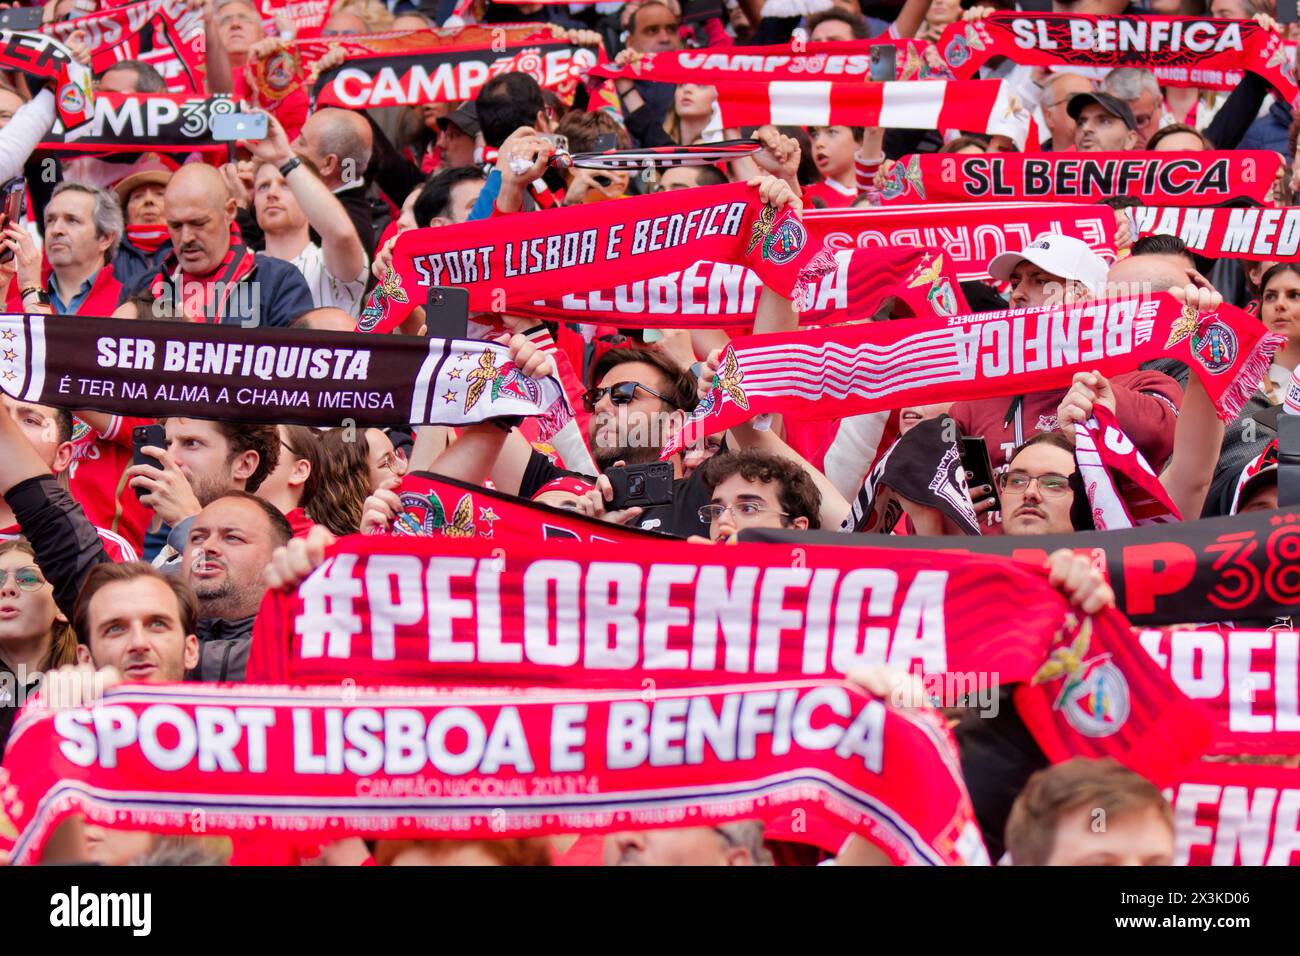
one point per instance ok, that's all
(35, 637)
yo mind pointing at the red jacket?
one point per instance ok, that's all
(1146, 404)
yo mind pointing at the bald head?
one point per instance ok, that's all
(326, 319)
(338, 142)
(198, 210)
(1144, 274)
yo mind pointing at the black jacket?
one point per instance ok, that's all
(67, 547)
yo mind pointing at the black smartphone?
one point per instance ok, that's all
(979, 467)
(446, 313)
(21, 18)
(641, 486)
(884, 63)
(142, 436)
(14, 191)
(1036, 6)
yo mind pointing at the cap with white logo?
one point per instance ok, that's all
(1062, 256)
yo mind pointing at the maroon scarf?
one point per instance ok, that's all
(1189, 51)
(523, 258)
(1168, 178)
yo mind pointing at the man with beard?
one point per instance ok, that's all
(203, 461)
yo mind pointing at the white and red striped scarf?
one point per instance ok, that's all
(1122, 489)
(1232, 233)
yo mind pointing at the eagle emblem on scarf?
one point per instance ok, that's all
(1095, 696)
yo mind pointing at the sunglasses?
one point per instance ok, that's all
(27, 577)
(620, 394)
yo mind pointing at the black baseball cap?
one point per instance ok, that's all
(1111, 104)
(464, 117)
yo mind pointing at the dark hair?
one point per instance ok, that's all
(345, 480)
(1080, 506)
(1276, 270)
(680, 393)
(1161, 245)
(1052, 793)
(1165, 132)
(710, 176)
(583, 129)
(857, 132)
(63, 420)
(1120, 202)
(434, 200)
(304, 443)
(796, 491)
(147, 78)
(1055, 439)
(505, 103)
(281, 530)
(981, 297)
(856, 22)
(102, 575)
(263, 439)
(961, 142)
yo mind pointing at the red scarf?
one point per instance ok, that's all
(147, 238)
(534, 256)
(105, 292)
(177, 37)
(981, 106)
(831, 373)
(671, 614)
(813, 62)
(45, 57)
(203, 298)
(970, 234)
(1236, 815)
(413, 764)
(716, 295)
(1245, 680)
(1122, 489)
(1227, 233)
(1193, 51)
(1175, 179)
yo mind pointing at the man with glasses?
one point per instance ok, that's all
(1039, 490)
(751, 488)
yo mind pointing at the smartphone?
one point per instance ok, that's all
(228, 127)
(1036, 6)
(21, 18)
(143, 436)
(446, 313)
(13, 193)
(884, 63)
(641, 486)
(979, 468)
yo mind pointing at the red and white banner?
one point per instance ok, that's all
(1156, 178)
(834, 62)
(1240, 233)
(1123, 490)
(980, 106)
(720, 295)
(831, 373)
(1189, 51)
(174, 27)
(310, 765)
(970, 234)
(1246, 680)
(1236, 815)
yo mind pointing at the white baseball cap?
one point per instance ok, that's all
(1059, 255)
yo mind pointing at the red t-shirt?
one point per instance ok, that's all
(97, 478)
(832, 197)
(299, 522)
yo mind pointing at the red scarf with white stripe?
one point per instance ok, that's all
(1236, 815)
(325, 764)
(521, 258)
(1231, 233)
(1158, 178)
(822, 373)
(1123, 491)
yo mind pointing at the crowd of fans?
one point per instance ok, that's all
(156, 571)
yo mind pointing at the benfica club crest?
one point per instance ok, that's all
(506, 380)
(957, 52)
(390, 288)
(278, 74)
(1215, 346)
(779, 244)
(940, 295)
(900, 177)
(1094, 697)
(423, 514)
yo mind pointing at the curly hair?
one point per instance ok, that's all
(796, 492)
(344, 482)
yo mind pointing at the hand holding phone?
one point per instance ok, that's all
(641, 486)
(980, 480)
(146, 436)
(14, 191)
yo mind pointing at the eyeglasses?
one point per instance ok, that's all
(1049, 485)
(395, 462)
(27, 577)
(620, 394)
(741, 509)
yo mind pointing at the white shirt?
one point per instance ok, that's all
(326, 289)
(23, 133)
